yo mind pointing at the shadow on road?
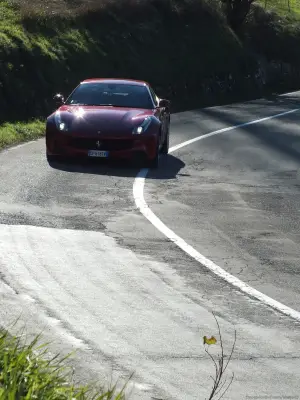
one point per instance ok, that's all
(287, 99)
(282, 137)
(169, 167)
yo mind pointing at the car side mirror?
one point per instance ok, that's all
(163, 103)
(59, 99)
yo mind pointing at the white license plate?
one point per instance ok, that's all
(97, 153)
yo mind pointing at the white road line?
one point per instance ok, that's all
(138, 194)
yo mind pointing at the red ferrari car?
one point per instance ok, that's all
(110, 118)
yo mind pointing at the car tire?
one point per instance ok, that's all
(165, 146)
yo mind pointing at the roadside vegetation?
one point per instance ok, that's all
(282, 7)
(26, 373)
(13, 133)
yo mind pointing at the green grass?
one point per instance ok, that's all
(276, 37)
(14, 133)
(282, 7)
(26, 373)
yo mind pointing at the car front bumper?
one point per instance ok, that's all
(125, 147)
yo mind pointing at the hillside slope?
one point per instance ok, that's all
(183, 47)
(168, 43)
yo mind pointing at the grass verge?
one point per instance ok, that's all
(18, 132)
(282, 7)
(26, 374)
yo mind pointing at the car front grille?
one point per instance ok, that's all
(101, 144)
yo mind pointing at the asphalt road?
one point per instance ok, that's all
(79, 261)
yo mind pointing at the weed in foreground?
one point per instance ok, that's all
(219, 388)
(26, 374)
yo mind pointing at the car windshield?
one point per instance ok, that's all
(111, 94)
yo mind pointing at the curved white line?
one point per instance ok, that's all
(138, 194)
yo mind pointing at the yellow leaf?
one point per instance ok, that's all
(212, 340)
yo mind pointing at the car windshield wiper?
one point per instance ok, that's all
(100, 105)
(94, 104)
(77, 104)
(108, 105)
(90, 104)
(116, 105)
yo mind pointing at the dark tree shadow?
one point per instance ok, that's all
(279, 137)
(277, 99)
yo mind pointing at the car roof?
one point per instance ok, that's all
(117, 80)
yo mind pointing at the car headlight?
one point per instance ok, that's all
(60, 124)
(142, 128)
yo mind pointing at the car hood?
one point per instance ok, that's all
(102, 119)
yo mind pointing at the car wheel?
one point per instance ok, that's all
(165, 146)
